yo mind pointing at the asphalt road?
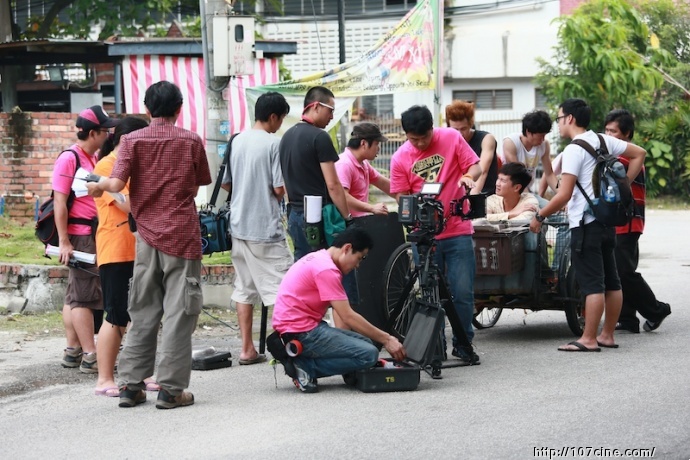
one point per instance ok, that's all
(524, 399)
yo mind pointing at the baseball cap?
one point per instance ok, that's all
(95, 117)
(368, 131)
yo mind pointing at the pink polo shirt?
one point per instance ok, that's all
(356, 177)
(83, 207)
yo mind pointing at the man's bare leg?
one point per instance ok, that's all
(82, 321)
(614, 303)
(70, 333)
(594, 308)
(245, 318)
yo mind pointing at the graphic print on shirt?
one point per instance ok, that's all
(429, 168)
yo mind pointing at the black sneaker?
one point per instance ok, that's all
(650, 326)
(304, 382)
(131, 398)
(635, 329)
(168, 401)
(465, 357)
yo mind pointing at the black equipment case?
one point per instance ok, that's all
(388, 375)
(210, 358)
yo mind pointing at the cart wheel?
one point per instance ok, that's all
(401, 288)
(574, 306)
(487, 317)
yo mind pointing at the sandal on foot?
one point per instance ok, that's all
(111, 392)
(578, 347)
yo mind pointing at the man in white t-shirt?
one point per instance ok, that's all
(592, 244)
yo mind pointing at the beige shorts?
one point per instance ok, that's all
(259, 269)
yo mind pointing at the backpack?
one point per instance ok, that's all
(46, 231)
(613, 202)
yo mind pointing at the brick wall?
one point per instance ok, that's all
(30, 143)
(567, 6)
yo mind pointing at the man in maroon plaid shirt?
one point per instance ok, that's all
(165, 166)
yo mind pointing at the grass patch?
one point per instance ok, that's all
(18, 244)
(39, 324)
(668, 202)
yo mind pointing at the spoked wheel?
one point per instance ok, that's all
(401, 289)
(487, 317)
(575, 305)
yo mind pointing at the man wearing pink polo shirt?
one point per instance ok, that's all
(356, 175)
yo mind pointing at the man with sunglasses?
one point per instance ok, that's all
(307, 159)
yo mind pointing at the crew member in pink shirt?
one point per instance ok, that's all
(309, 287)
(442, 155)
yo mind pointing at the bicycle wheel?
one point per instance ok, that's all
(487, 317)
(568, 287)
(401, 289)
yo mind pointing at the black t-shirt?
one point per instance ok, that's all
(302, 150)
(476, 145)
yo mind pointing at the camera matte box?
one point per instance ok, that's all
(403, 377)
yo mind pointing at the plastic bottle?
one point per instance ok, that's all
(618, 169)
(610, 194)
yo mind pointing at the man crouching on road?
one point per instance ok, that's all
(310, 286)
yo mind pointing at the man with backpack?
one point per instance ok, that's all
(637, 295)
(83, 295)
(592, 241)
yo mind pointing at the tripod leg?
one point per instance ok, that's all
(262, 332)
(454, 319)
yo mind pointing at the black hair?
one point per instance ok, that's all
(355, 142)
(126, 126)
(83, 133)
(417, 120)
(270, 103)
(356, 236)
(318, 94)
(536, 122)
(518, 174)
(579, 109)
(625, 120)
(163, 99)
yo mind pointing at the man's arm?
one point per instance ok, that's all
(335, 188)
(384, 184)
(549, 177)
(279, 192)
(509, 151)
(469, 178)
(485, 159)
(61, 215)
(357, 322)
(110, 184)
(636, 154)
(356, 205)
(563, 194)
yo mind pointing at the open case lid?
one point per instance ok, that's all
(422, 334)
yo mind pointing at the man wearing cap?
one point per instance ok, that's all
(165, 165)
(76, 232)
(307, 159)
(356, 174)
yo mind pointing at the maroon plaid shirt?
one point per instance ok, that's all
(165, 165)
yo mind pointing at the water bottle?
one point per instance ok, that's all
(618, 169)
(610, 194)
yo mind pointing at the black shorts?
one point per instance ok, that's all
(115, 282)
(592, 248)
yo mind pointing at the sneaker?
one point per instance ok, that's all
(89, 364)
(71, 357)
(650, 326)
(304, 382)
(168, 401)
(130, 398)
(465, 358)
(628, 327)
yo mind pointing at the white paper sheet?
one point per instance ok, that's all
(312, 208)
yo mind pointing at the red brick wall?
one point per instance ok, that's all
(567, 6)
(30, 143)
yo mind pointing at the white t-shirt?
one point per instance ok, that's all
(531, 157)
(576, 161)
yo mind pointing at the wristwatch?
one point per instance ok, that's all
(539, 218)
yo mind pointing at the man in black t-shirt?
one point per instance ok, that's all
(307, 158)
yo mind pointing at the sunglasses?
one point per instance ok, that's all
(327, 106)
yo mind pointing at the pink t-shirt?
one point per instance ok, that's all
(446, 159)
(307, 289)
(84, 207)
(356, 177)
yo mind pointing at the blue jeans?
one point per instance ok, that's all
(296, 231)
(456, 255)
(330, 351)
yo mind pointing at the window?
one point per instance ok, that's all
(539, 100)
(491, 99)
(330, 7)
(376, 106)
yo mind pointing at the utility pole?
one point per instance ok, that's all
(341, 29)
(8, 74)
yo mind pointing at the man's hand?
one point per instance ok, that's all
(379, 209)
(467, 182)
(534, 225)
(524, 207)
(66, 249)
(94, 190)
(395, 348)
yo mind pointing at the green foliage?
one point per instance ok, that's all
(19, 245)
(607, 56)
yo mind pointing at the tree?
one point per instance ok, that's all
(608, 55)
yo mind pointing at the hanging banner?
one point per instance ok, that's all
(402, 60)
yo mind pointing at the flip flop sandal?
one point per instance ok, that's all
(578, 347)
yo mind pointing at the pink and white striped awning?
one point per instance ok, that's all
(140, 72)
